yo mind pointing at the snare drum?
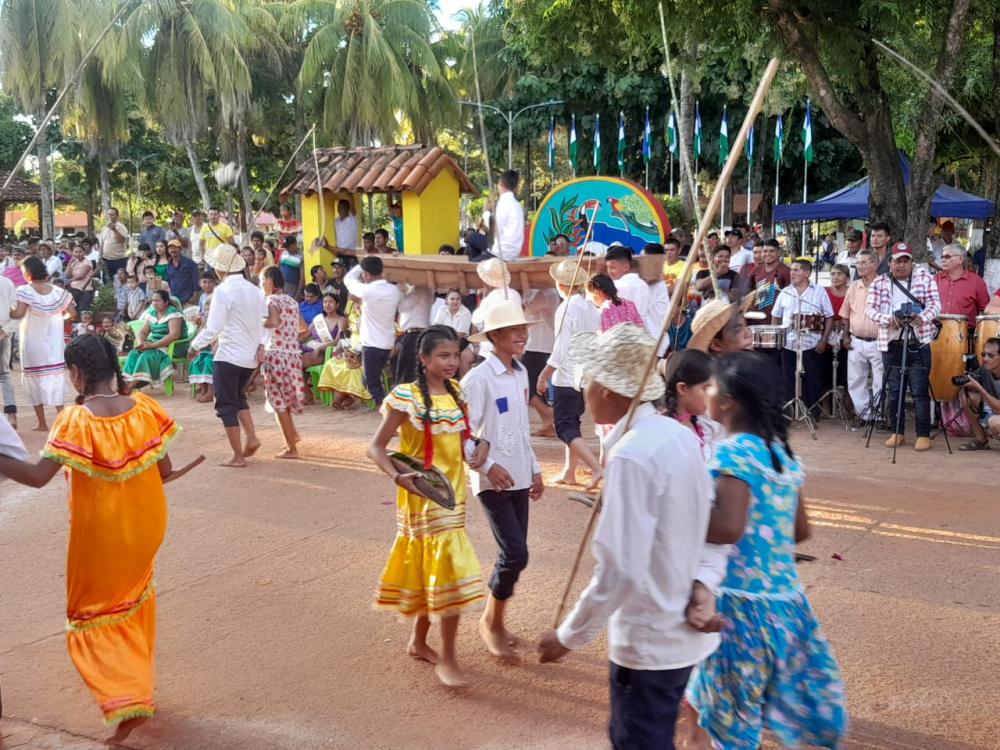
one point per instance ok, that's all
(808, 323)
(768, 337)
(946, 355)
(987, 327)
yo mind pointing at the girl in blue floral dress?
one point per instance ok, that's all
(774, 668)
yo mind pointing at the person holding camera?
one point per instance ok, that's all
(980, 397)
(903, 304)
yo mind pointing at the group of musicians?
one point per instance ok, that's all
(886, 323)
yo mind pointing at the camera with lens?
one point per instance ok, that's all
(971, 363)
(907, 310)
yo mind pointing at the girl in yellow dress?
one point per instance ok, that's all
(432, 572)
(113, 449)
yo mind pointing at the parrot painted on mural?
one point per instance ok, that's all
(646, 227)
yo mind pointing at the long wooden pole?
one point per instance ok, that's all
(479, 102)
(679, 291)
(319, 188)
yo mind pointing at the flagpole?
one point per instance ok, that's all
(671, 178)
(805, 197)
(647, 175)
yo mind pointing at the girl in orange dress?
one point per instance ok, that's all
(113, 450)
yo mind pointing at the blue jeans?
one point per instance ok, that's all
(372, 363)
(918, 370)
(644, 707)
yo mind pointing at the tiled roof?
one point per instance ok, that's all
(22, 191)
(739, 203)
(375, 170)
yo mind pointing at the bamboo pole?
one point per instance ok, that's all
(319, 188)
(679, 290)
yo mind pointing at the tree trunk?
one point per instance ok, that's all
(686, 125)
(90, 209)
(246, 215)
(199, 178)
(47, 220)
(528, 182)
(922, 180)
(102, 162)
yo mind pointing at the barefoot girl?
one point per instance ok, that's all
(774, 669)
(113, 449)
(282, 364)
(432, 572)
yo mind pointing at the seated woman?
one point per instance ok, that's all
(149, 362)
(324, 332)
(311, 306)
(342, 373)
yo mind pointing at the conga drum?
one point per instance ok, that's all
(987, 327)
(946, 355)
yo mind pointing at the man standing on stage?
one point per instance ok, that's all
(860, 341)
(961, 291)
(803, 309)
(903, 304)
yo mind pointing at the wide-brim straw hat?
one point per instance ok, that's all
(617, 360)
(494, 273)
(712, 318)
(506, 314)
(565, 272)
(225, 258)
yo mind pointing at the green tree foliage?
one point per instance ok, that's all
(14, 135)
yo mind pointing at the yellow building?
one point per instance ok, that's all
(429, 181)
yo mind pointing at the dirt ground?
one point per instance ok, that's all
(266, 636)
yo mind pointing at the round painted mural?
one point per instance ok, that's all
(622, 211)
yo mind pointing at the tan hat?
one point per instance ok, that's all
(712, 318)
(565, 271)
(617, 360)
(225, 258)
(175, 243)
(506, 314)
(494, 273)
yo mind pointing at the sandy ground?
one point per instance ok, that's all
(267, 638)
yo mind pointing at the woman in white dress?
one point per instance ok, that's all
(42, 309)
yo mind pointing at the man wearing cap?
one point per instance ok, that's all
(377, 328)
(934, 246)
(496, 393)
(903, 304)
(236, 320)
(849, 255)
(336, 285)
(648, 545)
(860, 341)
(961, 291)
(181, 274)
(739, 256)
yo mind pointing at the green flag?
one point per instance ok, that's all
(621, 141)
(572, 142)
(723, 138)
(597, 145)
(807, 134)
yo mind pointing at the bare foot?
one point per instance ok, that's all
(234, 463)
(422, 652)
(498, 644)
(12, 418)
(287, 453)
(450, 675)
(124, 729)
(205, 399)
(565, 479)
(595, 479)
(512, 639)
(546, 430)
(41, 427)
(251, 447)
(296, 439)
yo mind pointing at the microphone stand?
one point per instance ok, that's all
(799, 411)
(838, 409)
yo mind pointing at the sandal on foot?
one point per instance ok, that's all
(975, 445)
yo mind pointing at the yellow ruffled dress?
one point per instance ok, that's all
(118, 516)
(432, 569)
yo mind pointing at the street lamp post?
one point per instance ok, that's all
(510, 116)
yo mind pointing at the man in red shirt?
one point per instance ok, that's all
(962, 292)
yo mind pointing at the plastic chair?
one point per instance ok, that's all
(190, 330)
(325, 397)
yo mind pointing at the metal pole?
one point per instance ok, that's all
(510, 139)
(777, 175)
(647, 175)
(748, 195)
(671, 178)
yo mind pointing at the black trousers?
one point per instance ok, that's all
(372, 363)
(644, 706)
(812, 378)
(230, 383)
(507, 513)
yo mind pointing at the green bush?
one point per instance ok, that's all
(104, 300)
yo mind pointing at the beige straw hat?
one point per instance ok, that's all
(564, 272)
(506, 314)
(494, 273)
(225, 258)
(712, 318)
(617, 360)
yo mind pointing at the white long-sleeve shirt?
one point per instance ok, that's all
(236, 319)
(633, 288)
(648, 545)
(415, 308)
(498, 412)
(379, 301)
(574, 315)
(659, 305)
(509, 227)
(8, 298)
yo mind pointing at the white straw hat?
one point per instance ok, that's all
(617, 360)
(225, 258)
(506, 314)
(494, 273)
(571, 272)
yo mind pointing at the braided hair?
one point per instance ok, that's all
(601, 282)
(97, 359)
(689, 366)
(426, 344)
(749, 379)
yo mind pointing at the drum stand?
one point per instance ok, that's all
(838, 409)
(799, 411)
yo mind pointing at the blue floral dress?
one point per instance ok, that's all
(774, 668)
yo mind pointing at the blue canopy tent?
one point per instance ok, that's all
(851, 202)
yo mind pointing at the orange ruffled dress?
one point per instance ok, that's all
(432, 569)
(118, 516)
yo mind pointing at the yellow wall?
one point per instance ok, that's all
(311, 227)
(431, 219)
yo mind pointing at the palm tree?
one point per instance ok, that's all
(195, 57)
(41, 47)
(376, 62)
(499, 66)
